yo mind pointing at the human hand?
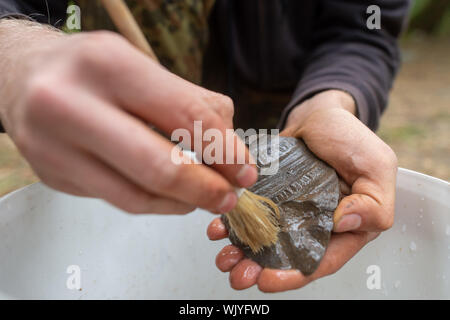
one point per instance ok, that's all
(78, 109)
(368, 169)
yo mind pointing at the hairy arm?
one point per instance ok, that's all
(20, 42)
(78, 107)
(45, 11)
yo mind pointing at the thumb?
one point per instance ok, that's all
(360, 212)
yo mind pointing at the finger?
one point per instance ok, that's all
(217, 230)
(59, 183)
(173, 103)
(342, 247)
(366, 164)
(228, 257)
(245, 274)
(287, 132)
(76, 172)
(102, 182)
(138, 153)
(360, 212)
(274, 280)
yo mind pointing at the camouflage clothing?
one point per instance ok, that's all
(262, 53)
(177, 30)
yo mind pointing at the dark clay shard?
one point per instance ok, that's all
(306, 191)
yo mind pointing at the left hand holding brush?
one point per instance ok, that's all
(327, 124)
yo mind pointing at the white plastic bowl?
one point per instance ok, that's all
(42, 232)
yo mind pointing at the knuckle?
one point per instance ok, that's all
(216, 193)
(100, 40)
(44, 99)
(226, 104)
(97, 48)
(211, 107)
(40, 91)
(386, 222)
(389, 158)
(194, 111)
(222, 104)
(107, 42)
(87, 56)
(104, 36)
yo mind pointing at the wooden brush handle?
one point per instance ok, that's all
(126, 24)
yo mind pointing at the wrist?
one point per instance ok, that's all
(21, 45)
(329, 99)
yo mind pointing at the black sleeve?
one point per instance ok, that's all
(50, 12)
(346, 55)
(45, 11)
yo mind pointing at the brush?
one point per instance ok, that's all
(124, 21)
(254, 220)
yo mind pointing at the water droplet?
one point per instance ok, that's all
(404, 228)
(420, 210)
(447, 230)
(397, 284)
(413, 246)
(423, 199)
(418, 224)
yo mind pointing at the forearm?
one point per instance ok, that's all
(20, 41)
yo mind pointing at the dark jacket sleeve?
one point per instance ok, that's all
(45, 11)
(50, 12)
(346, 55)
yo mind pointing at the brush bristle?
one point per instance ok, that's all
(254, 221)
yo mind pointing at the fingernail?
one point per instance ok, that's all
(348, 223)
(228, 203)
(247, 176)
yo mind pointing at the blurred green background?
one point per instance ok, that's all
(431, 17)
(416, 124)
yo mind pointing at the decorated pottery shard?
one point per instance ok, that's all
(306, 191)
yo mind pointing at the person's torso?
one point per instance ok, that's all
(252, 50)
